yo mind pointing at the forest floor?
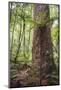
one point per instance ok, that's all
(19, 75)
(23, 75)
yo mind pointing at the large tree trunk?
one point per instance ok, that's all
(42, 46)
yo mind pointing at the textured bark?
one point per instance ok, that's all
(42, 46)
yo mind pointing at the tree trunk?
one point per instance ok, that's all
(42, 46)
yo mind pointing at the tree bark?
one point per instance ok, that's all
(42, 45)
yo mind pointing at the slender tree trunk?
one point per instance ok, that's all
(24, 36)
(42, 45)
(19, 44)
(12, 34)
(21, 36)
